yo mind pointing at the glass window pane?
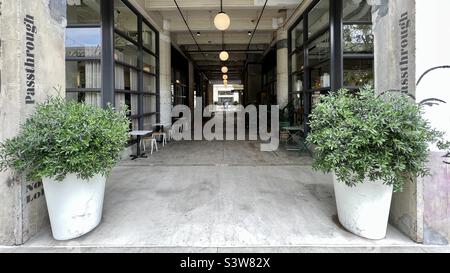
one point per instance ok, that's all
(149, 104)
(149, 83)
(149, 63)
(132, 101)
(297, 82)
(297, 36)
(83, 12)
(149, 121)
(126, 78)
(125, 51)
(358, 72)
(85, 74)
(83, 42)
(319, 50)
(92, 98)
(358, 39)
(148, 38)
(319, 17)
(320, 76)
(297, 62)
(357, 11)
(125, 20)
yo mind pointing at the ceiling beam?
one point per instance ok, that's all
(163, 5)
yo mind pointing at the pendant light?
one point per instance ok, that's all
(222, 20)
(224, 69)
(225, 77)
(224, 56)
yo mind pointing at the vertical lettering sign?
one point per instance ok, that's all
(404, 52)
(31, 31)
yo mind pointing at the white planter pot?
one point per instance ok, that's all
(364, 209)
(74, 205)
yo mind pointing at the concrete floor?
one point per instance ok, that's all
(220, 196)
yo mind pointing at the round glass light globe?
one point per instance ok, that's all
(224, 69)
(224, 56)
(222, 21)
(225, 77)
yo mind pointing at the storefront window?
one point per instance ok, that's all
(358, 38)
(357, 11)
(319, 17)
(125, 20)
(83, 42)
(135, 66)
(297, 36)
(358, 72)
(83, 52)
(319, 49)
(148, 38)
(83, 12)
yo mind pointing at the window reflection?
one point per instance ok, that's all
(83, 42)
(358, 38)
(83, 12)
(357, 10)
(319, 17)
(358, 72)
(125, 20)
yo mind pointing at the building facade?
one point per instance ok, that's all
(116, 52)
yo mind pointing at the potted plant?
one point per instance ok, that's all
(72, 147)
(373, 145)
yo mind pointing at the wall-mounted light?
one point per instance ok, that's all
(224, 69)
(224, 56)
(222, 20)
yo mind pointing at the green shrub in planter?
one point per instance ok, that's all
(369, 136)
(64, 137)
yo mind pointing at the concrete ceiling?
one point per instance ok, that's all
(244, 14)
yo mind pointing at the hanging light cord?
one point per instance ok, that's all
(221, 6)
(257, 23)
(190, 31)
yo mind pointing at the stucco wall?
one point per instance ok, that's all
(396, 71)
(433, 82)
(22, 205)
(412, 37)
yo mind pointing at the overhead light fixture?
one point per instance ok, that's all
(224, 56)
(222, 20)
(224, 69)
(225, 77)
(225, 82)
(249, 33)
(198, 33)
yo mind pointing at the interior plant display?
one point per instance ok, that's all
(72, 147)
(373, 145)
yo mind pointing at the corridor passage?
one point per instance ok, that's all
(219, 196)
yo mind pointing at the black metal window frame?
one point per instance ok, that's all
(84, 58)
(337, 56)
(141, 20)
(108, 62)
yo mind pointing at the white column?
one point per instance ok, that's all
(282, 69)
(165, 75)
